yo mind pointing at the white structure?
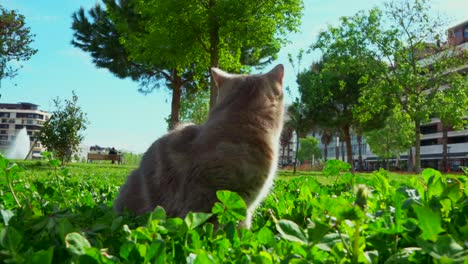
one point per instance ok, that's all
(15, 117)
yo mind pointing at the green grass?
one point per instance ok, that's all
(65, 216)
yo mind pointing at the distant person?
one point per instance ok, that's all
(112, 151)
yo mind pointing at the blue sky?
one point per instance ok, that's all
(119, 115)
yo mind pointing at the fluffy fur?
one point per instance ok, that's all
(236, 150)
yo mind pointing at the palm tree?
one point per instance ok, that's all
(285, 141)
(297, 121)
(327, 135)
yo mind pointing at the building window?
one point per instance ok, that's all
(465, 32)
(3, 132)
(4, 126)
(458, 140)
(4, 114)
(428, 142)
(3, 137)
(4, 120)
(429, 129)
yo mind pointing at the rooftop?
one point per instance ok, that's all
(459, 25)
(19, 106)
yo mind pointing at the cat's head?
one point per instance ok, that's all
(249, 90)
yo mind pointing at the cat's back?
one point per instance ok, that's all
(168, 149)
(162, 170)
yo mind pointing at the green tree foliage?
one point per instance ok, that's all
(95, 33)
(132, 158)
(331, 91)
(333, 88)
(405, 62)
(421, 64)
(62, 133)
(308, 149)
(232, 35)
(15, 41)
(410, 42)
(101, 34)
(195, 107)
(394, 138)
(174, 43)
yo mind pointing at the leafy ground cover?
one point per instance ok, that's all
(50, 214)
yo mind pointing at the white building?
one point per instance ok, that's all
(14, 117)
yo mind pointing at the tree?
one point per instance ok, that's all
(62, 134)
(285, 142)
(421, 63)
(334, 88)
(232, 34)
(418, 64)
(153, 41)
(451, 107)
(308, 149)
(297, 121)
(394, 138)
(331, 91)
(101, 33)
(194, 107)
(326, 139)
(15, 40)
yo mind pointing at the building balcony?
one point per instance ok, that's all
(450, 134)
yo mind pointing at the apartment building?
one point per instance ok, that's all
(14, 117)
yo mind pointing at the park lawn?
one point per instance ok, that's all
(38, 169)
(322, 179)
(65, 216)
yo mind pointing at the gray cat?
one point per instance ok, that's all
(235, 150)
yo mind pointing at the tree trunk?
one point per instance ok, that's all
(214, 50)
(282, 158)
(342, 143)
(175, 103)
(445, 163)
(325, 153)
(349, 148)
(417, 147)
(297, 150)
(410, 160)
(359, 140)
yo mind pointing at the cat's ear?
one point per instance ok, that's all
(219, 76)
(277, 73)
